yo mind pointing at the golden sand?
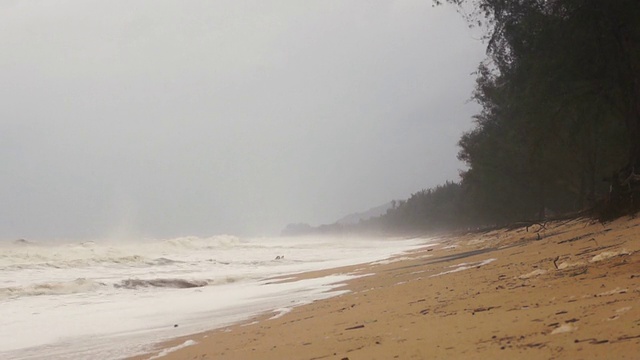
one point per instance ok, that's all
(568, 290)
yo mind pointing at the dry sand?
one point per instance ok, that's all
(572, 294)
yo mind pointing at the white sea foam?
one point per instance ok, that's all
(104, 299)
(166, 352)
(280, 312)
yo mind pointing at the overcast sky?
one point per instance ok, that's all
(165, 118)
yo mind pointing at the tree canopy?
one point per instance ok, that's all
(560, 96)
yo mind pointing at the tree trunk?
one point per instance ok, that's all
(624, 196)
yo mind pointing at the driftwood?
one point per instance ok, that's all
(563, 219)
(631, 179)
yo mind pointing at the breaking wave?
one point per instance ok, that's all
(20, 254)
(37, 261)
(80, 285)
(163, 283)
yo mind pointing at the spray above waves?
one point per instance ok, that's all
(22, 242)
(194, 242)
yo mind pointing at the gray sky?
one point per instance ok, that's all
(166, 118)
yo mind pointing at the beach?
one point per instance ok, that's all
(557, 290)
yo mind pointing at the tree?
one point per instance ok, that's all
(559, 90)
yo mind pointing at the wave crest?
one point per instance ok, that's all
(162, 283)
(23, 254)
(79, 285)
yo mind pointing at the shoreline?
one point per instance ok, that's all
(571, 294)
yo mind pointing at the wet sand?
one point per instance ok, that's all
(568, 290)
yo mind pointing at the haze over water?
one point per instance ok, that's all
(165, 118)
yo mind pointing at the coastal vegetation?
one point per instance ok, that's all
(559, 126)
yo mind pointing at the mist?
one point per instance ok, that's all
(163, 118)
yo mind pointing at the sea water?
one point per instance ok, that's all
(108, 300)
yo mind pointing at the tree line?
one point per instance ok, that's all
(559, 126)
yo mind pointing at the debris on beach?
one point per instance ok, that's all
(569, 265)
(355, 327)
(613, 292)
(609, 254)
(564, 328)
(534, 273)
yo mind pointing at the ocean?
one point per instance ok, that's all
(110, 299)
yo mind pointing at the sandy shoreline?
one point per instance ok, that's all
(572, 294)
